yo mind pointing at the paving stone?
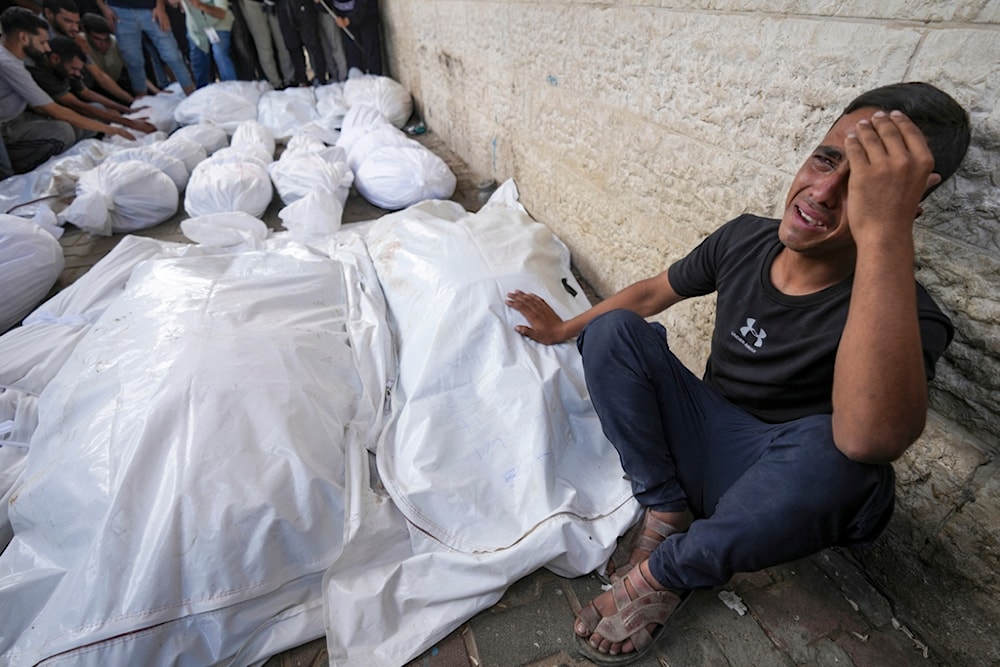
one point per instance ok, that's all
(709, 633)
(449, 652)
(522, 634)
(826, 653)
(885, 647)
(802, 609)
(847, 575)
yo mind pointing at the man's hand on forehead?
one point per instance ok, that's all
(891, 168)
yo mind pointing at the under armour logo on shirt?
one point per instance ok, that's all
(758, 335)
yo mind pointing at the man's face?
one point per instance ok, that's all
(36, 46)
(101, 43)
(66, 69)
(815, 217)
(65, 23)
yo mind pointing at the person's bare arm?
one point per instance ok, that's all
(94, 97)
(646, 297)
(879, 385)
(211, 10)
(60, 112)
(109, 116)
(104, 80)
(160, 16)
(108, 13)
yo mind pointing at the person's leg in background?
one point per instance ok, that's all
(290, 33)
(308, 25)
(281, 51)
(257, 23)
(155, 71)
(166, 46)
(129, 35)
(220, 54)
(333, 47)
(242, 50)
(201, 65)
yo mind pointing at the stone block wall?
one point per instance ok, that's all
(635, 128)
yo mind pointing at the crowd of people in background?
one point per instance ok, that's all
(70, 69)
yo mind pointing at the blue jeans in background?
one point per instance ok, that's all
(201, 61)
(132, 24)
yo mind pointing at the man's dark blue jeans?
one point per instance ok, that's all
(762, 494)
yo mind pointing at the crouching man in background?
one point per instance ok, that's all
(33, 135)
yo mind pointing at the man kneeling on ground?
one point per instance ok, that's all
(33, 136)
(817, 379)
(58, 74)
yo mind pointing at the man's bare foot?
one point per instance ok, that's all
(656, 527)
(625, 619)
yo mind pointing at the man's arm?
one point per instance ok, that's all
(94, 97)
(217, 12)
(160, 16)
(106, 115)
(104, 80)
(646, 297)
(59, 112)
(108, 13)
(879, 383)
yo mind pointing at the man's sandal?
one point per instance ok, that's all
(649, 606)
(618, 566)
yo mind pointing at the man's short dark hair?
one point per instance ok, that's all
(95, 24)
(19, 19)
(56, 6)
(66, 48)
(943, 121)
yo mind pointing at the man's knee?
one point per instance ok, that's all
(607, 328)
(64, 134)
(824, 479)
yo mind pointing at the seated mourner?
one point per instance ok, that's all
(32, 135)
(58, 74)
(817, 379)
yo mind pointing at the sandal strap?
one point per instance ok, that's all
(658, 526)
(648, 607)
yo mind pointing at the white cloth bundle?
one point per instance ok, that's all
(187, 151)
(208, 136)
(159, 109)
(254, 153)
(281, 111)
(493, 452)
(188, 469)
(253, 133)
(31, 260)
(388, 96)
(238, 185)
(121, 197)
(314, 191)
(395, 177)
(296, 176)
(330, 102)
(226, 229)
(226, 104)
(379, 137)
(162, 160)
(359, 121)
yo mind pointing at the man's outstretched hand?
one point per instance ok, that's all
(544, 326)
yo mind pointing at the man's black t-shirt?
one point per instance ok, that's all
(52, 83)
(773, 354)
